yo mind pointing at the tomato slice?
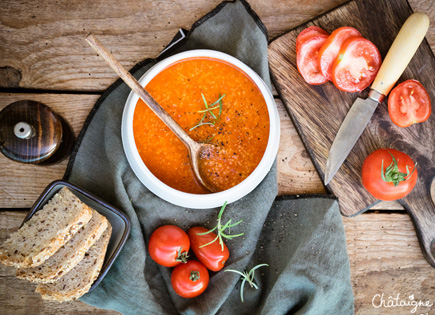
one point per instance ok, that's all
(307, 60)
(357, 64)
(330, 49)
(409, 103)
(308, 33)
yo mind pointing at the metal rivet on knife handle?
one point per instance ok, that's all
(401, 51)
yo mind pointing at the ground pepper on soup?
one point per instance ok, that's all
(240, 133)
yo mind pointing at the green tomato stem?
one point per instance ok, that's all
(194, 275)
(392, 174)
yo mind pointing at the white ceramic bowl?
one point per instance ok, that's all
(200, 201)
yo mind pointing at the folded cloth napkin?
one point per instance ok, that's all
(302, 240)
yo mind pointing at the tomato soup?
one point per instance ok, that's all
(235, 120)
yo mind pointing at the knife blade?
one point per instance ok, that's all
(401, 52)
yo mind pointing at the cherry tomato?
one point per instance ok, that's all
(308, 33)
(409, 103)
(212, 255)
(387, 178)
(307, 60)
(169, 246)
(357, 64)
(190, 279)
(331, 47)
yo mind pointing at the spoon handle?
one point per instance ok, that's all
(139, 90)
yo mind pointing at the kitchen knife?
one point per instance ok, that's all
(401, 52)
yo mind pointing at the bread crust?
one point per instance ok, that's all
(86, 272)
(18, 250)
(68, 256)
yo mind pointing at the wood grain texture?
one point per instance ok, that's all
(318, 112)
(44, 48)
(25, 182)
(384, 258)
(296, 173)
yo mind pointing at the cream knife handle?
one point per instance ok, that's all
(401, 52)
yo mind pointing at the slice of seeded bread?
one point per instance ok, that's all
(47, 231)
(80, 279)
(69, 255)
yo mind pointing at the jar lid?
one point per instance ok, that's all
(30, 132)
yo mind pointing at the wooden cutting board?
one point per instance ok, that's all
(318, 111)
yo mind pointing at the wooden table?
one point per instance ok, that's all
(43, 57)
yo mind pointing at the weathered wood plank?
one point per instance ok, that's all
(43, 43)
(385, 257)
(318, 124)
(26, 181)
(296, 173)
(384, 254)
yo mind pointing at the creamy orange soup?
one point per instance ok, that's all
(238, 125)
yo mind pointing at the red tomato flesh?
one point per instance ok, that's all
(307, 60)
(357, 64)
(372, 179)
(190, 279)
(166, 243)
(330, 49)
(308, 33)
(409, 103)
(212, 255)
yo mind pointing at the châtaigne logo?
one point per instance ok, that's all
(380, 301)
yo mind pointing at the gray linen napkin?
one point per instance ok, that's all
(300, 277)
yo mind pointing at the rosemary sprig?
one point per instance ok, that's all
(221, 229)
(210, 138)
(247, 276)
(392, 173)
(206, 106)
(209, 109)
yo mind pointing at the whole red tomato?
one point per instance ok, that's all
(190, 279)
(389, 174)
(409, 103)
(213, 256)
(169, 246)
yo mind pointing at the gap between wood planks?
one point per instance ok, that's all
(296, 173)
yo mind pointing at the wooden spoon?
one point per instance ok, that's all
(195, 148)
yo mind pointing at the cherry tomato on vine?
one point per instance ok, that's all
(308, 33)
(389, 174)
(213, 255)
(169, 246)
(331, 47)
(190, 279)
(409, 103)
(357, 64)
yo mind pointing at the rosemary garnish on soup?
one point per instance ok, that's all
(209, 108)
